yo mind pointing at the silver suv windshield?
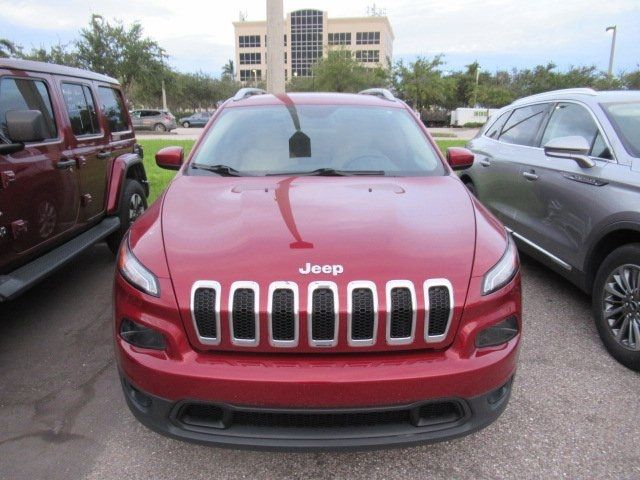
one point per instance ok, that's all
(316, 139)
(625, 117)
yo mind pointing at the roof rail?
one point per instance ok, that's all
(248, 92)
(379, 92)
(579, 91)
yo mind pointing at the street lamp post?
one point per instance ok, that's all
(254, 74)
(614, 29)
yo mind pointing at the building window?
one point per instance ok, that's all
(249, 41)
(250, 75)
(368, 56)
(306, 39)
(368, 38)
(250, 59)
(340, 39)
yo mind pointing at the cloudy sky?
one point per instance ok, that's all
(198, 35)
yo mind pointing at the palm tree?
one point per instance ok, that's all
(228, 70)
(8, 48)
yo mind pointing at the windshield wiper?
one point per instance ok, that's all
(224, 170)
(330, 172)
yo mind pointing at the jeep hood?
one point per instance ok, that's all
(266, 229)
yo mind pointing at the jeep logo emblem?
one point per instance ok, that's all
(335, 270)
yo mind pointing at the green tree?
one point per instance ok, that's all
(338, 71)
(9, 48)
(59, 54)
(124, 53)
(228, 70)
(420, 83)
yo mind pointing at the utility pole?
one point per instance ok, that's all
(164, 91)
(275, 47)
(475, 90)
(614, 29)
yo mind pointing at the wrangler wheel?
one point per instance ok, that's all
(133, 203)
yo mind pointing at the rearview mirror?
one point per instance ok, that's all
(170, 158)
(574, 148)
(459, 158)
(25, 126)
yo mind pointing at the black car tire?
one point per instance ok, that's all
(133, 192)
(159, 127)
(627, 255)
(186, 124)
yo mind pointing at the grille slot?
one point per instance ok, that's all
(402, 313)
(244, 313)
(204, 311)
(283, 315)
(323, 318)
(363, 313)
(439, 309)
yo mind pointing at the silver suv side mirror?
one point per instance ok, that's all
(574, 148)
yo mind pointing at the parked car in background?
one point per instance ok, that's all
(198, 119)
(562, 171)
(316, 276)
(157, 120)
(71, 173)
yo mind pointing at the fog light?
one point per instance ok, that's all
(141, 336)
(499, 333)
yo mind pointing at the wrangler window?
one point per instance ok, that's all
(23, 94)
(81, 109)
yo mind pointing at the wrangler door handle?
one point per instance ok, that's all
(64, 164)
(103, 155)
(485, 163)
(530, 176)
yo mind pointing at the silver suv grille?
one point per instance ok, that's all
(322, 313)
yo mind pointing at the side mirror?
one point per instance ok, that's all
(170, 158)
(25, 126)
(459, 158)
(574, 148)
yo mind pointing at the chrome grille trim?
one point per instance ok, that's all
(296, 313)
(436, 282)
(336, 309)
(350, 288)
(214, 286)
(400, 284)
(256, 306)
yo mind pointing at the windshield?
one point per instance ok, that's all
(285, 140)
(625, 118)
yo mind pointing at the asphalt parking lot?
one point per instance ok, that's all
(573, 414)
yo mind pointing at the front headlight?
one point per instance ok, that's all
(503, 271)
(134, 272)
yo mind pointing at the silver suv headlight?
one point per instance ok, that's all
(503, 271)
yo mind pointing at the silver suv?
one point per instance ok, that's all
(157, 120)
(562, 171)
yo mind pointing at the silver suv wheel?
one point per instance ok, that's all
(621, 305)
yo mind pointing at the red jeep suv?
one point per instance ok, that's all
(316, 276)
(71, 173)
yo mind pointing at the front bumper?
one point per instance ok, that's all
(317, 429)
(278, 395)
